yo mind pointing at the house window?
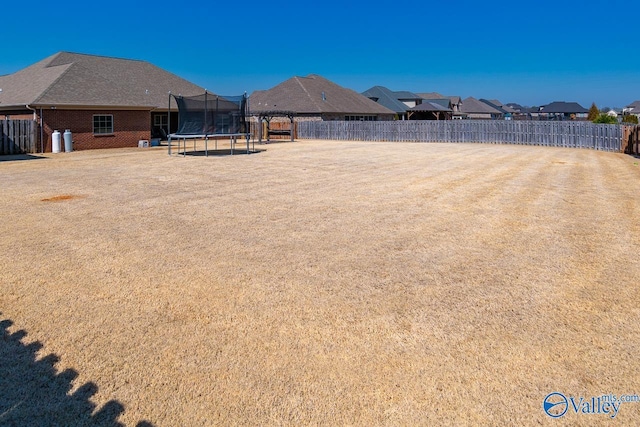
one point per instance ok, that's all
(161, 121)
(360, 118)
(102, 124)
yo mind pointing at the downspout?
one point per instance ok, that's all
(35, 115)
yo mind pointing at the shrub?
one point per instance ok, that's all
(606, 119)
(630, 118)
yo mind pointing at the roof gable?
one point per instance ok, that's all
(25, 86)
(314, 95)
(471, 105)
(494, 103)
(74, 79)
(388, 98)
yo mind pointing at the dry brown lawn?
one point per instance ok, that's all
(320, 283)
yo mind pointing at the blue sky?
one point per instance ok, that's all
(531, 52)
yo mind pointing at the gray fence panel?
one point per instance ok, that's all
(550, 134)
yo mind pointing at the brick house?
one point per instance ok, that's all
(105, 102)
(314, 98)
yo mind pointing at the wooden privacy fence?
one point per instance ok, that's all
(554, 134)
(632, 139)
(17, 136)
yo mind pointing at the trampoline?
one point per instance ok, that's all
(209, 116)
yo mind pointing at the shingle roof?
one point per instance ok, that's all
(73, 79)
(430, 106)
(560, 107)
(403, 94)
(444, 102)
(515, 107)
(436, 95)
(389, 99)
(504, 109)
(314, 95)
(471, 105)
(431, 95)
(634, 105)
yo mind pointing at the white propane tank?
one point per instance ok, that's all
(68, 141)
(55, 142)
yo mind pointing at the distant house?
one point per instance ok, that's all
(614, 112)
(516, 107)
(315, 98)
(507, 112)
(400, 102)
(633, 109)
(455, 102)
(105, 102)
(525, 112)
(476, 109)
(560, 110)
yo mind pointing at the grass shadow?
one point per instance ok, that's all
(275, 141)
(224, 152)
(33, 393)
(20, 157)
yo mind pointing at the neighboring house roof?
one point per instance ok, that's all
(444, 102)
(471, 105)
(430, 106)
(504, 109)
(73, 79)
(522, 110)
(435, 95)
(406, 95)
(314, 95)
(516, 107)
(389, 98)
(634, 108)
(561, 107)
(431, 95)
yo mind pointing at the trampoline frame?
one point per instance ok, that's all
(182, 138)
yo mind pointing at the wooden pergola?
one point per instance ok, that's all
(267, 116)
(429, 111)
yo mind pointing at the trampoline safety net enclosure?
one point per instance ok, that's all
(210, 116)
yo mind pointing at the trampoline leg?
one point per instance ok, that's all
(206, 146)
